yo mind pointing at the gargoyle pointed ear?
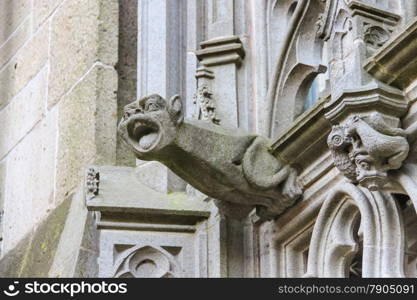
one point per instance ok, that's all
(175, 109)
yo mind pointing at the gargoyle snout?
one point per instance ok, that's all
(130, 111)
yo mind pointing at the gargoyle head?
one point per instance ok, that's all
(149, 125)
(369, 172)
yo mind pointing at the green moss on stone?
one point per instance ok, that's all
(34, 255)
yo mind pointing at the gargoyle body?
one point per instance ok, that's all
(364, 150)
(232, 167)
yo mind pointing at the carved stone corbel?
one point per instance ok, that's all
(365, 149)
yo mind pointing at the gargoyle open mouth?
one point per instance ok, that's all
(144, 132)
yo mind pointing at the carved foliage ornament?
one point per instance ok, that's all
(92, 182)
(140, 262)
(206, 105)
(376, 36)
(365, 150)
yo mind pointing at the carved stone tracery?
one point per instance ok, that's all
(336, 242)
(146, 261)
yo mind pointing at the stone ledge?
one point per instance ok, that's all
(297, 139)
(396, 63)
(120, 192)
(220, 51)
(373, 97)
(34, 254)
(378, 14)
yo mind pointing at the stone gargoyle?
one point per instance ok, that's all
(365, 149)
(232, 167)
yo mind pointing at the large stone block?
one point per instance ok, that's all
(29, 106)
(134, 220)
(30, 181)
(43, 9)
(154, 175)
(24, 66)
(158, 177)
(108, 30)
(34, 254)
(79, 34)
(2, 190)
(77, 251)
(87, 126)
(12, 13)
(16, 40)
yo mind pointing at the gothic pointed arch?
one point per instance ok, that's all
(406, 178)
(333, 246)
(296, 57)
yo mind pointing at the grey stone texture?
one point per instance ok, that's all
(76, 124)
(23, 67)
(347, 188)
(34, 254)
(127, 69)
(57, 63)
(311, 99)
(12, 15)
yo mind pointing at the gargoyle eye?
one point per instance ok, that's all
(365, 165)
(152, 106)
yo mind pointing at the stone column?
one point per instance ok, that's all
(222, 54)
(217, 102)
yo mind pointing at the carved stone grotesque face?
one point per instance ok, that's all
(364, 150)
(149, 125)
(369, 172)
(369, 169)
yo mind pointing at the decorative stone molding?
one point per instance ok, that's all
(364, 151)
(405, 177)
(375, 35)
(373, 12)
(353, 30)
(304, 142)
(92, 182)
(140, 227)
(376, 24)
(223, 55)
(203, 99)
(396, 63)
(325, 20)
(298, 62)
(239, 170)
(219, 51)
(145, 261)
(374, 97)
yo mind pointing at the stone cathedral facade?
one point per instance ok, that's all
(208, 138)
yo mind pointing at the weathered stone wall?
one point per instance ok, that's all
(58, 104)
